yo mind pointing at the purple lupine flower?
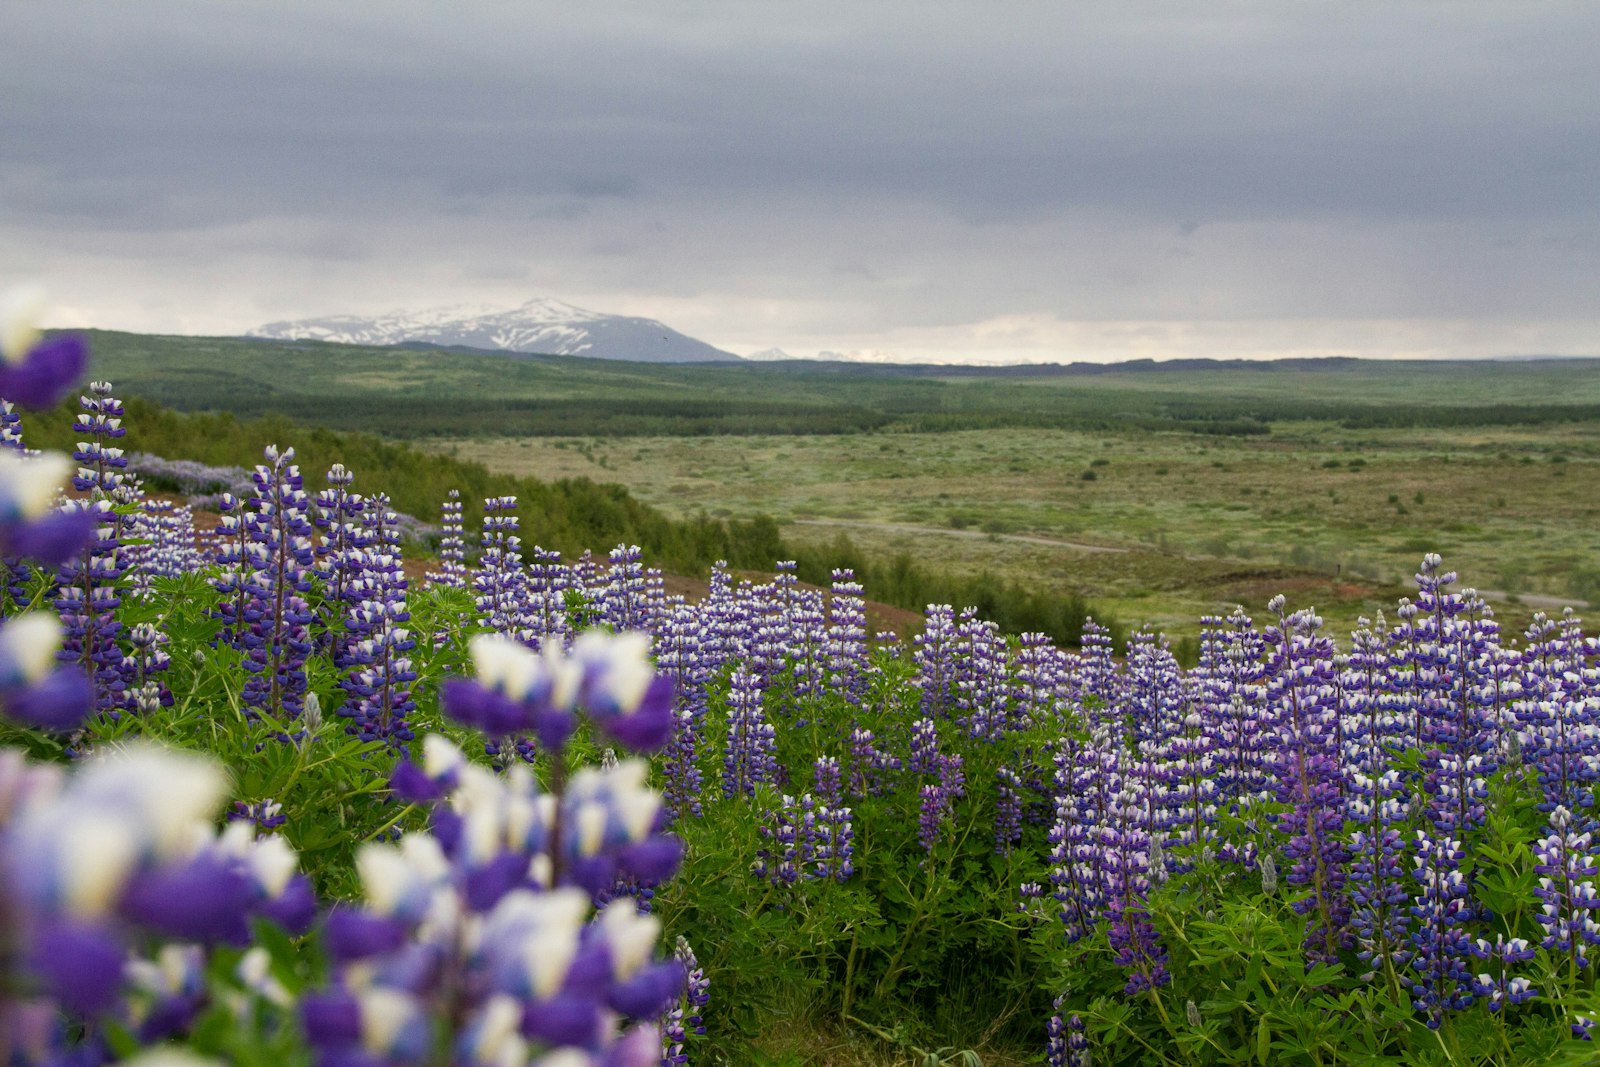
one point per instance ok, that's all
(1098, 684)
(33, 690)
(1559, 718)
(452, 571)
(1443, 949)
(229, 549)
(1240, 721)
(934, 809)
(88, 592)
(147, 662)
(1499, 988)
(31, 526)
(1566, 889)
(836, 859)
(498, 580)
(685, 1019)
(924, 757)
(982, 687)
(11, 427)
(516, 872)
(1088, 776)
(827, 781)
(621, 598)
(1125, 848)
(1039, 689)
(1008, 810)
(680, 655)
(935, 660)
(1380, 919)
(263, 814)
(519, 691)
(789, 833)
(121, 848)
(35, 372)
(378, 686)
(869, 766)
(168, 551)
(846, 640)
(545, 607)
(1299, 687)
(749, 758)
(277, 617)
(1068, 1045)
(342, 519)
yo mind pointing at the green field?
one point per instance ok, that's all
(1334, 515)
(1212, 484)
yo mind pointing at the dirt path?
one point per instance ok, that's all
(1536, 601)
(899, 527)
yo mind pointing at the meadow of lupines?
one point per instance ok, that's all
(267, 798)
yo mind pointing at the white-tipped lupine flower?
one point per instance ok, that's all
(400, 881)
(393, 1025)
(21, 310)
(29, 485)
(28, 647)
(631, 936)
(535, 938)
(505, 666)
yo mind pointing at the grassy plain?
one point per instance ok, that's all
(1215, 483)
(1333, 516)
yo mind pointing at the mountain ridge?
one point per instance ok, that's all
(539, 326)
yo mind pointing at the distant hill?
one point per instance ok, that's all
(419, 390)
(542, 326)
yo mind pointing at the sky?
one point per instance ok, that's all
(989, 181)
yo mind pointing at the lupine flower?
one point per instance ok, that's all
(1499, 988)
(981, 682)
(1008, 810)
(452, 571)
(126, 844)
(749, 759)
(480, 932)
(1442, 978)
(1566, 889)
(498, 580)
(846, 641)
(935, 659)
(1299, 688)
(869, 766)
(35, 372)
(685, 1018)
(1068, 1044)
(276, 616)
(29, 525)
(519, 691)
(33, 689)
(924, 748)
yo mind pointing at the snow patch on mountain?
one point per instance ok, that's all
(544, 326)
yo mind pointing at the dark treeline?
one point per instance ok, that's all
(421, 417)
(570, 514)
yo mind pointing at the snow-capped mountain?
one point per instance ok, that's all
(769, 355)
(864, 355)
(546, 326)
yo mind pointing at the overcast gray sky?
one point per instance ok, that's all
(986, 180)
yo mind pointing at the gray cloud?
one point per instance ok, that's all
(840, 173)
